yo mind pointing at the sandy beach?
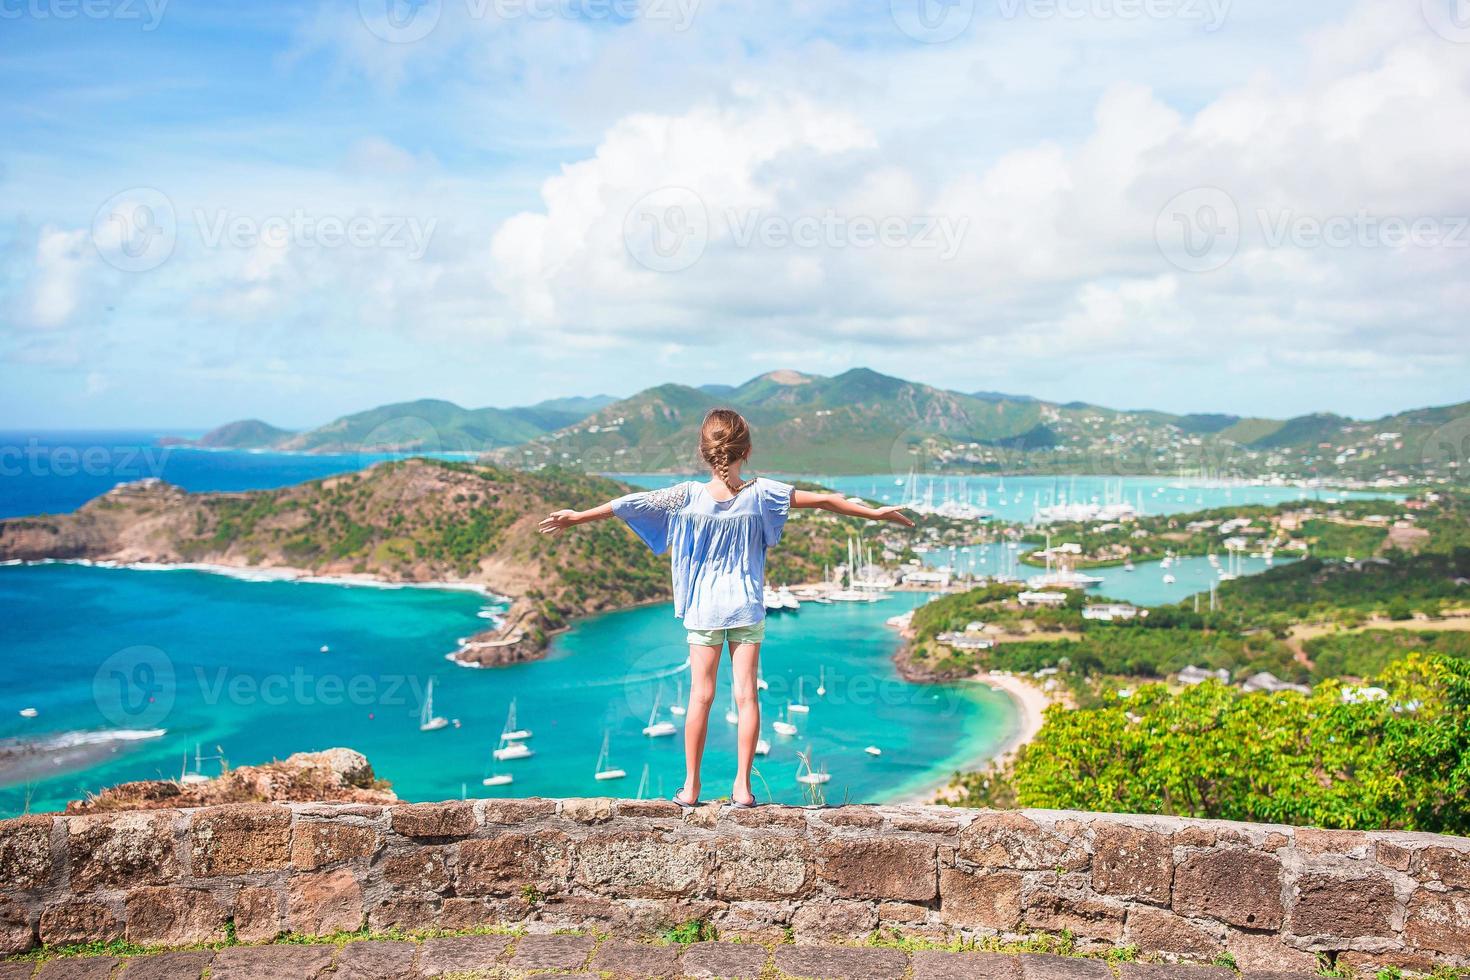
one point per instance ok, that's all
(1031, 702)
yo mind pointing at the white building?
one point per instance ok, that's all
(1042, 598)
(1107, 612)
(1198, 675)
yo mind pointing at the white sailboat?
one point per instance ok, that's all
(511, 732)
(732, 716)
(498, 779)
(656, 728)
(762, 746)
(428, 721)
(821, 681)
(605, 771)
(873, 750)
(799, 706)
(782, 726)
(197, 776)
(808, 776)
(677, 708)
(642, 783)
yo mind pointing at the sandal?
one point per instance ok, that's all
(744, 806)
(686, 805)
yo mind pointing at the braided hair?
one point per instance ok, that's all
(724, 439)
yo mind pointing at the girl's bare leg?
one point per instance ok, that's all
(704, 666)
(745, 658)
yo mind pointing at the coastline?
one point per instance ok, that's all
(1030, 703)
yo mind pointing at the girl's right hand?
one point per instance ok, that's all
(557, 521)
(896, 515)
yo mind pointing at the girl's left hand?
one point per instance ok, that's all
(896, 515)
(559, 520)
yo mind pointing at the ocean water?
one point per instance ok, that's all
(110, 658)
(1017, 498)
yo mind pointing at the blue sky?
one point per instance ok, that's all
(293, 211)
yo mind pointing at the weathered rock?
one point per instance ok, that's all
(460, 954)
(732, 961)
(271, 963)
(1047, 967)
(1157, 929)
(554, 952)
(624, 959)
(455, 819)
(317, 844)
(1236, 886)
(518, 811)
(169, 916)
(241, 838)
(258, 915)
(641, 864)
(1158, 971)
(187, 965)
(25, 851)
(325, 902)
(984, 899)
(834, 920)
(78, 920)
(1088, 917)
(513, 861)
(1327, 905)
(78, 968)
(421, 869)
(598, 809)
(1132, 863)
(936, 965)
(841, 961)
(1006, 839)
(1439, 921)
(376, 959)
(884, 868)
(1447, 866)
(122, 850)
(16, 931)
(760, 867)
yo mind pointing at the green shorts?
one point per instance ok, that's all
(754, 633)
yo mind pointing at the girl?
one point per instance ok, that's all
(718, 533)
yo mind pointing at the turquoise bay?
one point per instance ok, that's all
(239, 665)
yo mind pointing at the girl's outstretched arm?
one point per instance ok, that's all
(838, 504)
(559, 520)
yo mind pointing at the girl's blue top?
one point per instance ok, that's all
(718, 547)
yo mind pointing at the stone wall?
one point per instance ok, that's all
(1272, 896)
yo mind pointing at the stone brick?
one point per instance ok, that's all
(753, 922)
(271, 962)
(1363, 962)
(1310, 840)
(16, 932)
(120, 850)
(844, 816)
(1392, 855)
(324, 902)
(1044, 966)
(241, 838)
(167, 966)
(17, 971)
(932, 964)
(513, 860)
(25, 852)
(1158, 971)
(317, 844)
(1327, 905)
(834, 920)
(403, 913)
(882, 868)
(77, 920)
(759, 867)
(732, 961)
(642, 864)
(597, 809)
(1006, 839)
(463, 914)
(905, 912)
(626, 960)
(456, 819)
(376, 959)
(1156, 930)
(1236, 886)
(518, 811)
(986, 899)
(922, 822)
(258, 915)
(650, 809)
(841, 961)
(78, 968)
(460, 954)
(770, 815)
(1086, 917)
(1439, 921)
(417, 869)
(1195, 837)
(1445, 865)
(1132, 863)
(553, 952)
(166, 916)
(1261, 951)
